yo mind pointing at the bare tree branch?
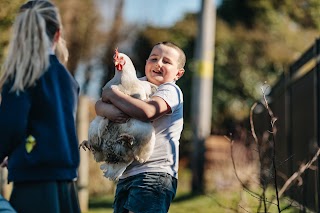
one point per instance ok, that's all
(298, 173)
(253, 132)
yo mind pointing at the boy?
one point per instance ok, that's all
(151, 186)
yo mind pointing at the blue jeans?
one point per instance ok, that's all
(145, 193)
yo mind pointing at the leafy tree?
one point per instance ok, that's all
(8, 12)
(254, 48)
(305, 13)
(253, 13)
(80, 21)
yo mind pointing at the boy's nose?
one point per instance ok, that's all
(158, 64)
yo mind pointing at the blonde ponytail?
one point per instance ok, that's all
(30, 45)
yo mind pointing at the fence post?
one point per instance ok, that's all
(82, 129)
(317, 57)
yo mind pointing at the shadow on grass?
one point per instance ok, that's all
(100, 204)
(184, 197)
(106, 202)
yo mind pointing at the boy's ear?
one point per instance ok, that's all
(180, 73)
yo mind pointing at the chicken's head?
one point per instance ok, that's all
(119, 61)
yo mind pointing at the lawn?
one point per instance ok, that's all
(236, 200)
(182, 204)
(214, 203)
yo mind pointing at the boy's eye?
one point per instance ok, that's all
(153, 59)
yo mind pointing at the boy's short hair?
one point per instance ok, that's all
(182, 58)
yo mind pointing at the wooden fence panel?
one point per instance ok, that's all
(295, 100)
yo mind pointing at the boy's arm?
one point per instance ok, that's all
(136, 108)
(111, 112)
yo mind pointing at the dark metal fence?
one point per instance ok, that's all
(295, 101)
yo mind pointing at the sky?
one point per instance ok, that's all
(160, 13)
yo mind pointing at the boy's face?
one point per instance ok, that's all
(162, 65)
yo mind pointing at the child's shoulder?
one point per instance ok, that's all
(170, 88)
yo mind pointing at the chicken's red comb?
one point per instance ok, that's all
(119, 61)
(116, 53)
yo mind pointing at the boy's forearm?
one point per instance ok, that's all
(133, 107)
(110, 112)
(103, 109)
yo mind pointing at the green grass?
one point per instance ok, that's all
(228, 201)
(237, 200)
(101, 204)
(182, 204)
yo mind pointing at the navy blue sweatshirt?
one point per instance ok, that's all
(46, 112)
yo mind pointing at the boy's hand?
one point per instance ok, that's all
(108, 92)
(111, 112)
(105, 94)
(119, 117)
(104, 98)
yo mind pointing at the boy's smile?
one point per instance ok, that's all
(157, 70)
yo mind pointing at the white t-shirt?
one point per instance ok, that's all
(168, 128)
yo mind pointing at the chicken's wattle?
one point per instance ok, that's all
(119, 63)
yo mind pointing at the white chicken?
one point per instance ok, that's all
(119, 144)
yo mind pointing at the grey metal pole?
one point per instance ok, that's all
(202, 91)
